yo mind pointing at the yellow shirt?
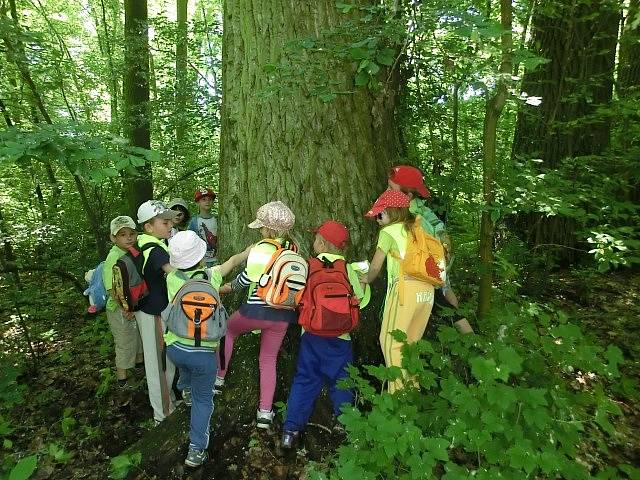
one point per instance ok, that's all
(392, 240)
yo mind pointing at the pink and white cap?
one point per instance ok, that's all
(388, 198)
(274, 215)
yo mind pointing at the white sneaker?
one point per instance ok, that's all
(186, 396)
(217, 385)
(264, 419)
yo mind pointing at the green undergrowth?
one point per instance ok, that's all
(530, 398)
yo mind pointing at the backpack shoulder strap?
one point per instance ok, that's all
(147, 246)
(271, 242)
(206, 274)
(181, 275)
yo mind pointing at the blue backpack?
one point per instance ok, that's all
(96, 292)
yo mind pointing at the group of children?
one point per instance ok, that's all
(177, 249)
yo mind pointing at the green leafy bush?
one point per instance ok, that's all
(526, 401)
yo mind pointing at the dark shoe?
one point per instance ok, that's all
(123, 384)
(290, 439)
(139, 369)
(195, 457)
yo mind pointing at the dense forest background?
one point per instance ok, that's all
(524, 118)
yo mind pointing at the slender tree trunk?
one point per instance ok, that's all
(454, 126)
(138, 185)
(106, 40)
(495, 104)
(15, 54)
(5, 114)
(181, 75)
(525, 30)
(64, 51)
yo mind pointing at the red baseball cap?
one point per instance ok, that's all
(204, 192)
(388, 198)
(334, 232)
(409, 177)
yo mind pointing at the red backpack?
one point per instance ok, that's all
(129, 285)
(329, 307)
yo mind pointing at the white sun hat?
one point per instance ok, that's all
(186, 249)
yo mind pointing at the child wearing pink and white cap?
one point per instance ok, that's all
(273, 221)
(407, 308)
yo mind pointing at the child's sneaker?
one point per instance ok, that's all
(186, 396)
(218, 385)
(290, 439)
(123, 384)
(195, 457)
(264, 419)
(139, 369)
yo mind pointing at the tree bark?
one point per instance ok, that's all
(629, 64)
(495, 104)
(628, 89)
(325, 160)
(579, 39)
(138, 183)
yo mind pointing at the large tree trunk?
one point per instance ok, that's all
(325, 160)
(577, 80)
(628, 88)
(138, 183)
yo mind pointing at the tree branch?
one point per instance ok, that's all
(180, 178)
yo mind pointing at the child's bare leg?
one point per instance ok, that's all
(121, 373)
(451, 297)
(461, 325)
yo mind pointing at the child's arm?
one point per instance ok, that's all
(376, 265)
(234, 261)
(167, 268)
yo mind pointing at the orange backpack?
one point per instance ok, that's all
(282, 284)
(425, 258)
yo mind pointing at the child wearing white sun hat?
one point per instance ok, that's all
(197, 363)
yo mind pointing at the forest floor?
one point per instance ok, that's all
(75, 416)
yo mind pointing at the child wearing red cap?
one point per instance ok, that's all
(322, 359)
(205, 223)
(408, 302)
(409, 180)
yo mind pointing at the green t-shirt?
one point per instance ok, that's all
(174, 282)
(392, 240)
(107, 275)
(429, 220)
